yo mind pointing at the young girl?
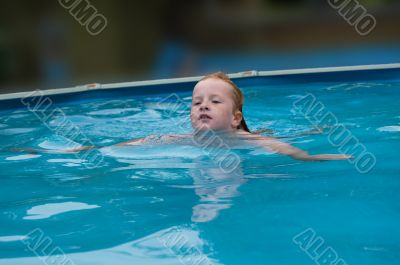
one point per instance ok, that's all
(217, 107)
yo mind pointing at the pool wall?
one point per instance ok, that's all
(250, 78)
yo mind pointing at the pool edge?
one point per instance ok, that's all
(239, 75)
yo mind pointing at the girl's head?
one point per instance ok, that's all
(217, 104)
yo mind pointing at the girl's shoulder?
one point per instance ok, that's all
(254, 137)
(245, 134)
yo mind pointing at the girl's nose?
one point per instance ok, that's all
(203, 107)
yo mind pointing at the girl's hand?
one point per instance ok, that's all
(331, 157)
(29, 150)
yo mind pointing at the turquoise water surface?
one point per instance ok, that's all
(178, 204)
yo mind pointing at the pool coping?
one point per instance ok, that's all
(240, 75)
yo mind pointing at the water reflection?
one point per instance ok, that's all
(215, 188)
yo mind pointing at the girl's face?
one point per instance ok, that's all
(212, 106)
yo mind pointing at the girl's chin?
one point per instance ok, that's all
(203, 127)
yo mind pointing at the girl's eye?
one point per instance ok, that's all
(196, 103)
(216, 101)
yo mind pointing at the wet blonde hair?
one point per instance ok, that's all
(237, 96)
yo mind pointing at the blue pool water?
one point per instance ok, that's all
(175, 204)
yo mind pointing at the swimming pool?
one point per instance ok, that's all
(176, 204)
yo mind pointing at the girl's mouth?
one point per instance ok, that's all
(204, 117)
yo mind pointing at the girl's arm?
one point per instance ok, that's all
(287, 149)
(132, 142)
(51, 151)
(138, 141)
(296, 153)
(85, 148)
(150, 140)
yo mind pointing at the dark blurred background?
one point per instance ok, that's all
(43, 46)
